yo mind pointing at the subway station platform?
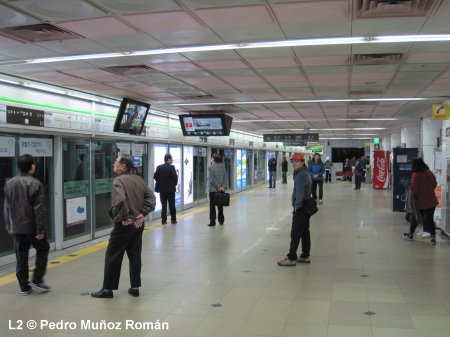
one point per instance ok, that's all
(223, 281)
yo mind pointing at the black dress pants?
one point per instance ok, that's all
(123, 239)
(314, 185)
(22, 245)
(300, 231)
(212, 211)
(169, 197)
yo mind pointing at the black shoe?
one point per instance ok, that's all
(163, 222)
(103, 293)
(211, 224)
(174, 222)
(221, 223)
(40, 286)
(134, 292)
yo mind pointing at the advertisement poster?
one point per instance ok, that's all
(7, 147)
(268, 156)
(76, 211)
(381, 169)
(37, 147)
(188, 174)
(244, 169)
(175, 151)
(158, 158)
(238, 170)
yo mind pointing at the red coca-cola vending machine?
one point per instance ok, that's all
(381, 169)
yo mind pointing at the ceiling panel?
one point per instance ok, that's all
(313, 11)
(90, 28)
(251, 34)
(187, 37)
(11, 18)
(172, 21)
(373, 27)
(137, 6)
(222, 64)
(136, 41)
(272, 62)
(229, 17)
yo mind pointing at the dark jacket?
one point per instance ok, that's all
(130, 197)
(359, 169)
(272, 164)
(316, 170)
(422, 186)
(284, 166)
(166, 178)
(302, 187)
(25, 211)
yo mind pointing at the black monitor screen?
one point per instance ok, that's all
(206, 125)
(131, 116)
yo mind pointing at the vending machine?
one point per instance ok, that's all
(401, 175)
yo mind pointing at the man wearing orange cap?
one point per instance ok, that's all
(300, 221)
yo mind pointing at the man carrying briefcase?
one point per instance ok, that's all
(217, 182)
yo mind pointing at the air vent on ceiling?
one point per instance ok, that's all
(366, 92)
(391, 58)
(40, 32)
(199, 97)
(391, 8)
(129, 70)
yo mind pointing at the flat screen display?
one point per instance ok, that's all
(131, 116)
(206, 125)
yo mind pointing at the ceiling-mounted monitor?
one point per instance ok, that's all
(208, 124)
(131, 116)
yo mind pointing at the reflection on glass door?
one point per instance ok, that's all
(104, 155)
(188, 175)
(76, 188)
(200, 172)
(175, 151)
(7, 171)
(159, 151)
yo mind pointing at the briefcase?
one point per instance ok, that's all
(221, 199)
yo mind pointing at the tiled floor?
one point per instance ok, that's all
(363, 280)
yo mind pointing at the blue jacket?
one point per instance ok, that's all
(302, 187)
(316, 169)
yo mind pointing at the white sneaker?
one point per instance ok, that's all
(320, 201)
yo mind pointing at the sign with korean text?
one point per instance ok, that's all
(291, 137)
(37, 147)
(24, 116)
(7, 147)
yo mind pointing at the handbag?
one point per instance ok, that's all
(310, 206)
(221, 199)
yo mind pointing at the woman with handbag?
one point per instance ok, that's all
(217, 182)
(300, 218)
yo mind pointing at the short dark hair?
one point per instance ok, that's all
(24, 163)
(127, 161)
(418, 165)
(167, 157)
(217, 158)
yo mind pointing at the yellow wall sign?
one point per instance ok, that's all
(441, 112)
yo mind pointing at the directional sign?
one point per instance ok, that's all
(291, 137)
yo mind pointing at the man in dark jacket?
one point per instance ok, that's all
(284, 170)
(300, 221)
(132, 200)
(26, 219)
(166, 182)
(272, 164)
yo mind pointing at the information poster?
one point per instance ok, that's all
(158, 158)
(7, 147)
(238, 170)
(76, 211)
(188, 174)
(37, 147)
(244, 169)
(268, 156)
(175, 151)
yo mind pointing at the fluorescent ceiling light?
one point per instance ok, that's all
(324, 129)
(365, 119)
(311, 120)
(334, 100)
(326, 41)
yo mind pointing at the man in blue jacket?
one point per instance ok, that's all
(316, 170)
(300, 220)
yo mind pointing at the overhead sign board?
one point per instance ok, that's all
(291, 137)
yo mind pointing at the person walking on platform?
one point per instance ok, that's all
(328, 165)
(132, 200)
(358, 174)
(316, 170)
(217, 182)
(25, 216)
(300, 221)
(284, 170)
(166, 182)
(272, 164)
(423, 184)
